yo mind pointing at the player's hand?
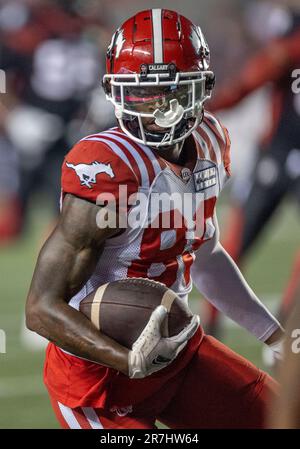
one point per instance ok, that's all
(273, 353)
(273, 350)
(151, 352)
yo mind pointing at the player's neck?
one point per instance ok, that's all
(171, 154)
(183, 154)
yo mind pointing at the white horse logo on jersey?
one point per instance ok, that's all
(87, 172)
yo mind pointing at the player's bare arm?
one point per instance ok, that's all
(65, 263)
(219, 279)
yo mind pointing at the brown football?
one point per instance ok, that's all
(121, 309)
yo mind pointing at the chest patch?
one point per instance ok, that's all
(205, 178)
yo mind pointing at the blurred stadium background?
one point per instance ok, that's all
(52, 53)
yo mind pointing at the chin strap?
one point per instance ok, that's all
(133, 127)
(170, 117)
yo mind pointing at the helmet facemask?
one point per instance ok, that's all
(156, 109)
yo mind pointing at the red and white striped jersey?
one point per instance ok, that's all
(154, 248)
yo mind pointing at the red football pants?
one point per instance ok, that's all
(218, 389)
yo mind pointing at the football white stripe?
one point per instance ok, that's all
(135, 154)
(203, 145)
(95, 307)
(168, 299)
(155, 164)
(215, 144)
(69, 416)
(92, 418)
(115, 149)
(157, 35)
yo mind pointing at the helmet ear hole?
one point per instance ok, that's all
(210, 82)
(106, 86)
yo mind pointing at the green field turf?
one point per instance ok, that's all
(23, 399)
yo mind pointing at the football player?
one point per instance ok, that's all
(39, 115)
(158, 79)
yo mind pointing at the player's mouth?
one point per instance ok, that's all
(151, 126)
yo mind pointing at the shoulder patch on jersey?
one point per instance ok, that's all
(87, 172)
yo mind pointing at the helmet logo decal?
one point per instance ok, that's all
(117, 43)
(200, 45)
(171, 69)
(144, 71)
(196, 41)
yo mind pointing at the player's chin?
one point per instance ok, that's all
(152, 127)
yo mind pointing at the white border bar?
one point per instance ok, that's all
(157, 35)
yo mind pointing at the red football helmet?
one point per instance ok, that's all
(157, 77)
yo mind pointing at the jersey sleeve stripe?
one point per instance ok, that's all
(202, 144)
(69, 416)
(156, 165)
(206, 138)
(81, 418)
(139, 159)
(92, 418)
(115, 149)
(214, 144)
(148, 161)
(215, 125)
(148, 156)
(132, 160)
(200, 151)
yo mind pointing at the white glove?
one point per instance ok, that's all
(151, 352)
(277, 349)
(273, 353)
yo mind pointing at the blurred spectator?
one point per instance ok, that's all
(51, 53)
(292, 291)
(277, 169)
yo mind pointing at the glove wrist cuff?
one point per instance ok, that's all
(278, 347)
(135, 365)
